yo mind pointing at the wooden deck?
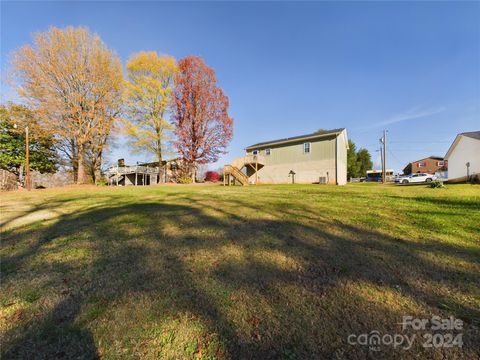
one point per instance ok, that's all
(142, 175)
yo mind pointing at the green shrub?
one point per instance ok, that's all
(103, 181)
(437, 184)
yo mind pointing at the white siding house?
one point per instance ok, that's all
(464, 150)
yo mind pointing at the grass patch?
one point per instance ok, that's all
(207, 272)
(31, 296)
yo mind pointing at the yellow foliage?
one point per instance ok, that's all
(148, 90)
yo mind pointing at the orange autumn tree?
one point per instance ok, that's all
(73, 81)
(203, 126)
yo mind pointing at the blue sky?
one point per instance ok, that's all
(291, 68)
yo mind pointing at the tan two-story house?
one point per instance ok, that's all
(319, 157)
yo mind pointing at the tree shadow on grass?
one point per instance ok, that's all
(263, 288)
(462, 203)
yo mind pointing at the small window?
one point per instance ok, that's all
(267, 151)
(255, 152)
(306, 148)
(440, 163)
(421, 164)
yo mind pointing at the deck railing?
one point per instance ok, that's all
(248, 159)
(132, 170)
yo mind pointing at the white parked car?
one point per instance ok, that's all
(415, 178)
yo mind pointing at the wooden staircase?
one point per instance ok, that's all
(229, 170)
(249, 161)
(116, 179)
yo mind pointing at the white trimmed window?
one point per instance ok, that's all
(440, 163)
(306, 148)
(421, 164)
(268, 151)
(255, 152)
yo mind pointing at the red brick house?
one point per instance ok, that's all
(428, 165)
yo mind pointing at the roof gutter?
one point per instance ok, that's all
(253, 147)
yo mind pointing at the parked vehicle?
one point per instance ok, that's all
(376, 175)
(415, 178)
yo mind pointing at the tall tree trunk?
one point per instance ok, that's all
(194, 173)
(74, 152)
(82, 178)
(97, 168)
(161, 173)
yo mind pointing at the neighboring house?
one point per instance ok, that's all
(171, 169)
(429, 165)
(464, 156)
(144, 174)
(313, 158)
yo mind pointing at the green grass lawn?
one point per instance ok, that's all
(212, 272)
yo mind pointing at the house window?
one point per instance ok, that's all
(421, 164)
(173, 167)
(255, 152)
(267, 151)
(306, 148)
(440, 163)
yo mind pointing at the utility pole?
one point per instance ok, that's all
(383, 152)
(27, 166)
(384, 156)
(381, 158)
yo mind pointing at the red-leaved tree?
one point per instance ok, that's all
(203, 127)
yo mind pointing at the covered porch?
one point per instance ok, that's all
(132, 175)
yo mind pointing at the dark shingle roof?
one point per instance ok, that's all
(432, 157)
(297, 138)
(472, 134)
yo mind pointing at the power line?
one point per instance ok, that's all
(422, 149)
(420, 142)
(393, 155)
